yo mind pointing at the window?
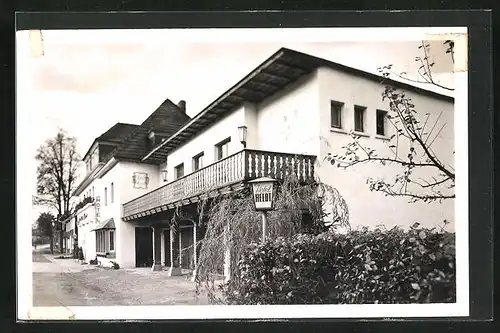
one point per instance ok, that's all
(381, 119)
(111, 240)
(105, 196)
(179, 171)
(112, 189)
(222, 149)
(95, 158)
(359, 118)
(151, 139)
(103, 243)
(336, 114)
(198, 162)
(100, 241)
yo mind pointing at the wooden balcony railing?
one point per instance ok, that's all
(242, 166)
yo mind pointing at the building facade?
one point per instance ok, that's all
(294, 109)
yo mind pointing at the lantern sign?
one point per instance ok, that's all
(263, 193)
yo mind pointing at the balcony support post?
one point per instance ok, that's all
(175, 269)
(156, 248)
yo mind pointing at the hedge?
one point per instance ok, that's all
(363, 266)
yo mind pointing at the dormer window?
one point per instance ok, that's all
(155, 138)
(151, 139)
(92, 160)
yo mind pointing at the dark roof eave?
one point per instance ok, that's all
(105, 139)
(266, 63)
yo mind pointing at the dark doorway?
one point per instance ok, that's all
(166, 236)
(187, 248)
(143, 247)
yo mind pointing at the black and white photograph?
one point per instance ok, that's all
(242, 173)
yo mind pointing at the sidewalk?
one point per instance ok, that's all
(59, 265)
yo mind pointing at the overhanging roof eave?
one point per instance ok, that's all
(278, 54)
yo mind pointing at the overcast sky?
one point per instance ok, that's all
(87, 81)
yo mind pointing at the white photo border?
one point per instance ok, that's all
(26, 311)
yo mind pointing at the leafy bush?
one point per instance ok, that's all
(363, 266)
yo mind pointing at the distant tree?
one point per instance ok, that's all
(44, 228)
(410, 146)
(56, 176)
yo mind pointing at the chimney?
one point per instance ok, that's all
(182, 105)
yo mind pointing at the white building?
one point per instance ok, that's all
(295, 107)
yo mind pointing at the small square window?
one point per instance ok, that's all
(381, 122)
(336, 114)
(359, 118)
(222, 149)
(179, 171)
(198, 162)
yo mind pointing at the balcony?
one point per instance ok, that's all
(234, 169)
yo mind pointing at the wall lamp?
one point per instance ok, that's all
(242, 133)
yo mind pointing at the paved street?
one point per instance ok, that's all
(64, 282)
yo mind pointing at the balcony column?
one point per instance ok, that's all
(156, 248)
(175, 269)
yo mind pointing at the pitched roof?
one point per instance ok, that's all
(166, 119)
(281, 69)
(114, 135)
(117, 133)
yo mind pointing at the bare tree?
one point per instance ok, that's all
(56, 175)
(411, 147)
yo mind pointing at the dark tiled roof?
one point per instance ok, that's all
(278, 71)
(167, 119)
(114, 135)
(117, 133)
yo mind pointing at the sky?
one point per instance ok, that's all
(88, 80)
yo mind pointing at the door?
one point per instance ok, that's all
(187, 248)
(143, 247)
(166, 236)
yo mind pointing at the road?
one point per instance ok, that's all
(55, 286)
(64, 282)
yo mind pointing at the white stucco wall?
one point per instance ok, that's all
(125, 231)
(206, 141)
(288, 121)
(373, 208)
(86, 238)
(121, 177)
